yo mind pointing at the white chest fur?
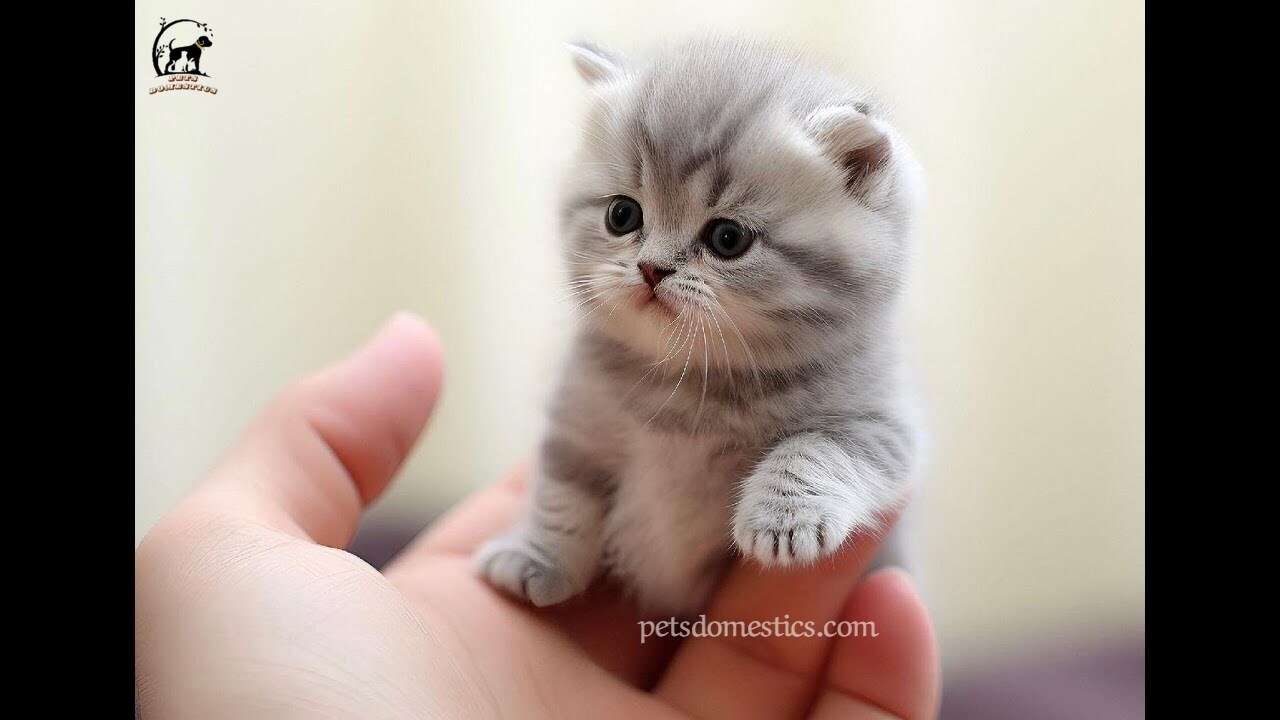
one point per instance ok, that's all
(667, 530)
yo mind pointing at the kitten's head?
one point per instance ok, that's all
(731, 202)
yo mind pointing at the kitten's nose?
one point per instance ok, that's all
(653, 274)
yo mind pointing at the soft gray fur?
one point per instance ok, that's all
(753, 403)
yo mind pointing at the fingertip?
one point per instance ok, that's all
(330, 443)
(891, 583)
(897, 666)
(409, 324)
(409, 344)
(399, 372)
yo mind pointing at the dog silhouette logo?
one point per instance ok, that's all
(178, 55)
(180, 47)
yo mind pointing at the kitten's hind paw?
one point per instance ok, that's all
(512, 564)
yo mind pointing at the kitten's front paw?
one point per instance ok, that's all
(777, 522)
(511, 563)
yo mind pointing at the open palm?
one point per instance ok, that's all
(245, 608)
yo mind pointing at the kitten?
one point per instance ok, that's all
(736, 224)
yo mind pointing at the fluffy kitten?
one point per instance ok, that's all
(736, 227)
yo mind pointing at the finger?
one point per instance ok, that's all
(602, 621)
(330, 444)
(774, 675)
(893, 673)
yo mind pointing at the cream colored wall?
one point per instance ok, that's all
(364, 157)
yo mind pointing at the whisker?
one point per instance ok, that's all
(600, 304)
(746, 347)
(585, 287)
(706, 364)
(728, 364)
(618, 302)
(687, 325)
(655, 366)
(593, 297)
(679, 380)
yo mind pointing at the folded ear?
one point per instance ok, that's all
(594, 64)
(856, 142)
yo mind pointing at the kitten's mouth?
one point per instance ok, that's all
(648, 300)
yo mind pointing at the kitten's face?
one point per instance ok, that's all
(717, 224)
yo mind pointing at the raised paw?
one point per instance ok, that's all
(781, 528)
(512, 564)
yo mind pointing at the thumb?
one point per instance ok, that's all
(330, 444)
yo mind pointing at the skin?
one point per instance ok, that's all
(246, 608)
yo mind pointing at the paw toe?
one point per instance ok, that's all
(545, 587)
(785, 545)
(515, 570)
(804, 544)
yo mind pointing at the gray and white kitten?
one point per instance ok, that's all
(736, 225)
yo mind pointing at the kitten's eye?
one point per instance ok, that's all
(728, 239)
(624, 215)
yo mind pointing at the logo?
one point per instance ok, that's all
(180, 54)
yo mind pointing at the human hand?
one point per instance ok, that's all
(245, 608)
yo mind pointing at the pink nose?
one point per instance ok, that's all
(653, 274)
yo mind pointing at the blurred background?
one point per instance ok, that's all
(361, 158)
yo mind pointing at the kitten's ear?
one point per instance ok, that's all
(594, 64)
(858, 143)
